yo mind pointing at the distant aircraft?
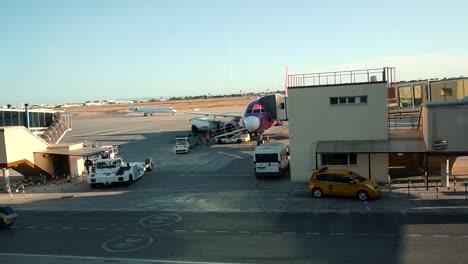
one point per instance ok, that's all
(151, 110)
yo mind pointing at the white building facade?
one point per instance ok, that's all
(335, 115)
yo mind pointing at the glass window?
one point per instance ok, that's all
(351, 100)
(356, 176)
(417, 95)
(446, 92)
(363, 99)
(266, 157)
(342, 100)
(333, 100)
(339, 159)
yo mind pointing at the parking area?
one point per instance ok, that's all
(214, 178)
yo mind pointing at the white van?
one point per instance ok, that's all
(271, 159)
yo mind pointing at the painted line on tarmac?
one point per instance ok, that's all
(196, 167)
(125, 260)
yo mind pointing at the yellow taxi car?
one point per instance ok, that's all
(343, 183)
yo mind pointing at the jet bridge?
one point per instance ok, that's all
(276, 106)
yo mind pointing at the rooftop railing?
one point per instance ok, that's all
(386, 74)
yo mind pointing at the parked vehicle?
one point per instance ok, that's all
(7, 216)
(342, 182)
(271, 159)
(110, 171)
(238, 138)
(184, 144)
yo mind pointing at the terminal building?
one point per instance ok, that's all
(29, 144)
(341, 119)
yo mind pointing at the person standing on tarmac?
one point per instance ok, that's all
(207, 137)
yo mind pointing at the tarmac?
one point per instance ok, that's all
(404, 195)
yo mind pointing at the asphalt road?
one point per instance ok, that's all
(139, 237)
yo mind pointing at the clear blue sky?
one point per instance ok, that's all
(72, 51)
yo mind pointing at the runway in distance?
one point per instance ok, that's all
(150, 110)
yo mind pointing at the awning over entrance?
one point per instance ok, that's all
(400, 145)
(84, 152)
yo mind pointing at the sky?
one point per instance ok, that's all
(54, 52)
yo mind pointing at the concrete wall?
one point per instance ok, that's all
(76, 166)
(20, 144)
(312, 118)
(447, 123)
(44, 162)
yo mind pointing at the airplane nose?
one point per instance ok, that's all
(252, 123)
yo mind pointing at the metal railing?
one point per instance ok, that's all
(386, 74)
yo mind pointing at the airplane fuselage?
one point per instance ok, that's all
(256, 117)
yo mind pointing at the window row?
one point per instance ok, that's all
(339, 159)
(349, 100)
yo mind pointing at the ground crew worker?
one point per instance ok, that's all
(207, 137)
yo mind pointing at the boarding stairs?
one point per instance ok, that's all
(228, 132)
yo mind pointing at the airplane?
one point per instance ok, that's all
(151, 110)
(256, 118)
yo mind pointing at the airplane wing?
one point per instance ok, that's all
(217, 114)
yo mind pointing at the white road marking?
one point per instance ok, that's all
(413, 235)
(200, 231)
(313, 233)
(196, 167)
(388, 234)
(159, 230)
(360, 234)
(266, 232)
(244, 232)
(464, 236)
(337, 234)
(101, 228)
(289, 233)
(120, 229)
(47, 227)
(221, 231)
(31, 227)
(103, 259)
(440, 235)
(178, 230)
(84, 228)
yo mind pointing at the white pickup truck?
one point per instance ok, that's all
(110, 171)
(184, 144)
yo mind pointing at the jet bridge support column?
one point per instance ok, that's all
(6, 178)
(444, 172)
